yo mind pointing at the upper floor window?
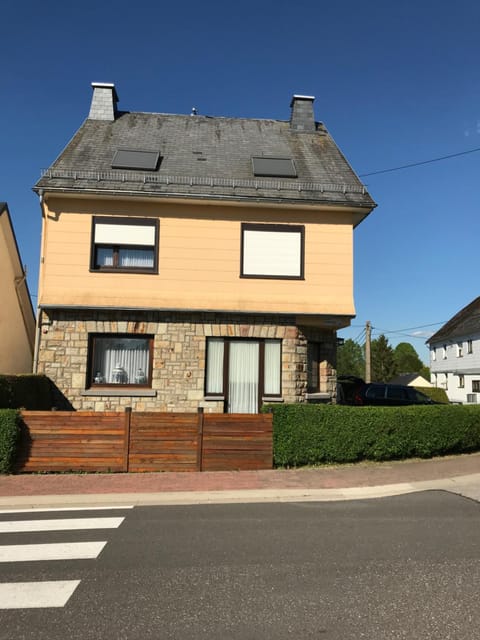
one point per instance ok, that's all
(124, 244)
(459, 349)
(469, 346)
(272, 251)
(444, 352)
(434, 353)
(120, 360)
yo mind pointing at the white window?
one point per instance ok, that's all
(469, 346)
(124, 244)
(444, 352)
(272, 251)
(459, 349)
(120, 360)
(434, 353)
(461, 382)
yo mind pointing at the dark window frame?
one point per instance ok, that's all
(92, 340)
(277, 228)
(475, 386)
(226, 362)
(147, 222)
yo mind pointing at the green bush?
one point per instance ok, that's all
(28, 391)
(317, 434)
(435, 393)
(9, 433)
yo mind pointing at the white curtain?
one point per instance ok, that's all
(271, 383)
(121, 361)
(139, 258)
(215, 365)
(104, 257)
(243, 377)
(127, 258)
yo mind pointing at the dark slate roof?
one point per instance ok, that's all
(466, 322)
(206, 157)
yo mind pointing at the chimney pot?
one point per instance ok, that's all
(104, 101)
(302, 117)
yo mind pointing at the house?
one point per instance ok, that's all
(193, 261)
(17, 320)
(455, 355)
(411, 380)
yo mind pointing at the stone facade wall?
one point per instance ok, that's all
(178, 357)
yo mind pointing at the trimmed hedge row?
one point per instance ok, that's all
(316, 434)
(9, 434)
(28, 391)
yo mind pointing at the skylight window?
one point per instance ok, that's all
(273, 167)
(134, 159)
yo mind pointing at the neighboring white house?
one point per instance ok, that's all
(455, 355)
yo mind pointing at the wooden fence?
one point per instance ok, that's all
(131, 441)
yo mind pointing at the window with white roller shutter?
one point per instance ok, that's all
(272, 251)
(124, 244)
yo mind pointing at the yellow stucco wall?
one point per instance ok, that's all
(199, 259)
(16, 328)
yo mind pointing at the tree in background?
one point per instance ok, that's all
(384, 367)
(350, 360)
(407, 359)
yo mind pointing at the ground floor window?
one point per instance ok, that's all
(476, 386)
(120, 360)
(243, 372)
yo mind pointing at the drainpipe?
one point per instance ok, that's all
(39, 310)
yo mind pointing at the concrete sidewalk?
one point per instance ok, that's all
(459, 474)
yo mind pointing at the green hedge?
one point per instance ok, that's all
(25, 391)
(318, 434)
(9, 433)
(435, 393)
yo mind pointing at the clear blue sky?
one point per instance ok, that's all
(395, 83)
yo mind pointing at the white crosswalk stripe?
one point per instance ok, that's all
(50, 551)
(48, 593)
(64, 524)
(36, 595)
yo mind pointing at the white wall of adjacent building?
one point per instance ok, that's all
(455, 367)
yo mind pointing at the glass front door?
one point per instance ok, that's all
(243, 374)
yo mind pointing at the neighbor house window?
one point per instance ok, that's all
(241, 372)
(120, 360)
(272, 251)
(461, 382)
(476, 386)
(124, 244)
(469, 346)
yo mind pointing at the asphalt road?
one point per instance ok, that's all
(391, 568)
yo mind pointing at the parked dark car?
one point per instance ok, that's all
(395, 395)
(347, 386)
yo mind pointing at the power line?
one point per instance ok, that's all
(421, 326)
(417, 164)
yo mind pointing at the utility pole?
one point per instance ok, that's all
(368, 357)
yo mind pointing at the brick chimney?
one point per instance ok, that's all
(302, 117)
(104, 102)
